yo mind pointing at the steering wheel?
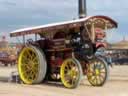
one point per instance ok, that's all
(88, 50)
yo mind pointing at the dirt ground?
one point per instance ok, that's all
(117, 85)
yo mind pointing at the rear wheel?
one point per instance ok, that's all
(32, 65)
(97, 71)
(71, 73)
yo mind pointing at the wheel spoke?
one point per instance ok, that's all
(100, 79)
(69, 65)
(35, 60)
(102, 72)
(102, 66)
(93, 79)
(33, 55)
(97, 80)
(28, 53)
(24, 59)
(73, 81)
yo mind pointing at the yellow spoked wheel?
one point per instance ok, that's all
(71, 73)
(97, 72)
(31, 65)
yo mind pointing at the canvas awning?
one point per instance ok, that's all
(67, 25)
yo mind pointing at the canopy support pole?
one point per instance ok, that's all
(106, 28)
(93, 32)
(35, 37)
(23, 39)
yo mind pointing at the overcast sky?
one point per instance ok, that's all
(25, 13)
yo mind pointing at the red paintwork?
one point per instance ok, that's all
(101, 44)
(100, 35)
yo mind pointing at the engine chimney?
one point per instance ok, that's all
(82, 8)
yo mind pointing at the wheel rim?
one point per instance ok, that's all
(28, 65)
(70, 73)
(97, 73)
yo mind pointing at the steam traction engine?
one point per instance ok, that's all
(64, 52)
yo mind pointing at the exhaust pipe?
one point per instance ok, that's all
(82, 8)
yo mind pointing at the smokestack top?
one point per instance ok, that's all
(82, 8)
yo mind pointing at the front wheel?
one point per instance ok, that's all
(97, 71)
(71, 73)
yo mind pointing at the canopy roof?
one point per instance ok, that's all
(101, 21)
